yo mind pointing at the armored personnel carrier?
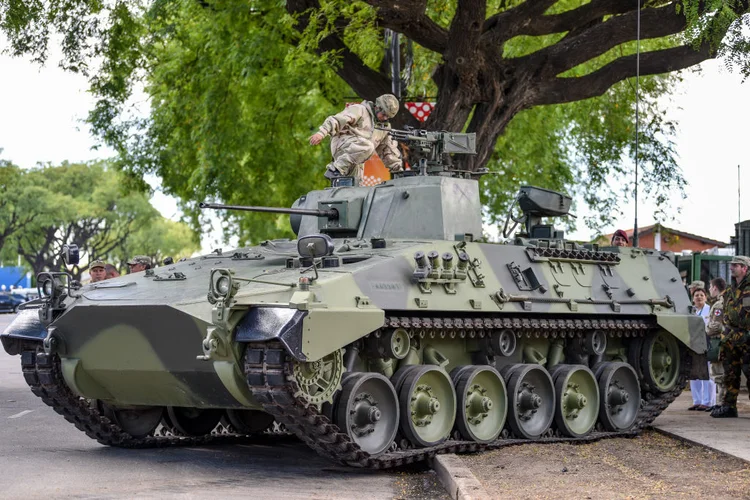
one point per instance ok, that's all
(383, 335)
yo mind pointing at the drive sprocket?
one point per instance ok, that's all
(317, 381)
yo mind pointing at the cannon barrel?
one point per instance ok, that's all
(331, 214)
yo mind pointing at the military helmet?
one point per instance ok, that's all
(388, 104)
(697, 284)
(98, 263)
(140, 259)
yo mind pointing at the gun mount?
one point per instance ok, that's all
(429, 151)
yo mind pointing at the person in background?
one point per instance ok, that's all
(692, 287)
(97, 271)
(139, 263)
(112, 271)
(703, 391)
(714, 329)
(735, 341)
(620, 239)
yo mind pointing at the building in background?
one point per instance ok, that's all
(665, 238)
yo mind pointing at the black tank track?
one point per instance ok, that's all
(42, 373)
(269, 368)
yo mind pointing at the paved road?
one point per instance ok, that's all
(42, 455)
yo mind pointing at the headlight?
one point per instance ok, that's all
(222, 285)
(47, 288)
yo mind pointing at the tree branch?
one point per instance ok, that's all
(505, 25)
(562, 90)
(572, 19)
(410, 17)
(365, 81)
(569, 53)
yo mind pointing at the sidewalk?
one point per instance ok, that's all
(728, 435)
(618, 468)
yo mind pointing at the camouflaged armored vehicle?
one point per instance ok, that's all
(383, 335)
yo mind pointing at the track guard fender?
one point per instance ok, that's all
(262, 324)
(25, 327)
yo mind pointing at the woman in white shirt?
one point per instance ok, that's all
(703, 391)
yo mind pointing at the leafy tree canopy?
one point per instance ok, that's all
(50, 206)
(236, 87)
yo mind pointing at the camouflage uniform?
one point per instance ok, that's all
(354, 139)
(735, 343)
(714, 328)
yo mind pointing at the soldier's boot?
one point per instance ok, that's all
(332, 173)
(724, 412)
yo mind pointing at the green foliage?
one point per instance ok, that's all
(86, 205)
(159, 239)
(235, 90)
(232, 111)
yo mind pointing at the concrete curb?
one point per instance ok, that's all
(695, 443)
(457, 479)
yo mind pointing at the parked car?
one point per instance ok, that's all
(9, 302)
(28, 293)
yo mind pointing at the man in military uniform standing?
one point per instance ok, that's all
(735, 343)
(714, 329)
(354, 137)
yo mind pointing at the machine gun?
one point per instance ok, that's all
(429, 151)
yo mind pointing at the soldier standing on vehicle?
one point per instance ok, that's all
(714, 330)
(735, 344)
(354, 137)
(139, 263)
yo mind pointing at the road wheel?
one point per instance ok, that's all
(367, 410)
(427, 402)
(191, 421)
(482, 403)
(620, 396)
(577, 401)
(660, 361)
(531, 400)
(138, 422)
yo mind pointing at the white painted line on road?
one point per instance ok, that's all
(25, 412)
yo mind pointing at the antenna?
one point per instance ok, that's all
(396, 65)
(637, 98)
(739, 213)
